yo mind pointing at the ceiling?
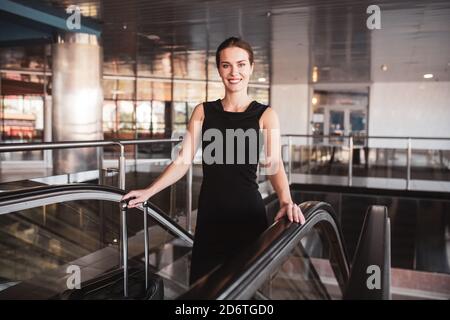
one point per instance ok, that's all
(330, 35)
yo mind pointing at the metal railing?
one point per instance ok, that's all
(351, 146)
(14, 201)
(122, 143)
(14, 147)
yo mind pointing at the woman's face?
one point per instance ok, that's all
(235, 69)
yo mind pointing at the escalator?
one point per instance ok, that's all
(288, 261)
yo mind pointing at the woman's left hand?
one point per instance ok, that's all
(293, 212)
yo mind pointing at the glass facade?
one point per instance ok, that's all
(147, 96)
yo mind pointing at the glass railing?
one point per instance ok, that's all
(47, 232)
(50, 231)
(411, 163)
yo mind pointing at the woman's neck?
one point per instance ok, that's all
(236, 101)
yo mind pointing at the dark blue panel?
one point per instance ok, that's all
(47, 16)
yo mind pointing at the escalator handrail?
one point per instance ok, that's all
(16, 200)
(241, 276)
(370, 274)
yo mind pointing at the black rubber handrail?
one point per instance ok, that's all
(43, 190)
(21, 195)
(240, 277)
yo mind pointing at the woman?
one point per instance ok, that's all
(231, 212)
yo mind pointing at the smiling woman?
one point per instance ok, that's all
(231, 214)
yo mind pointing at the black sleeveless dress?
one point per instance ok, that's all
(231, 213)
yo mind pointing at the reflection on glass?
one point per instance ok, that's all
(339, 114)
(306, 273)
(14, 57)
(22, 120)
(125, 114)
(109, 116)
(158, 121)
(337, 127)
(194, 92)
(162, 91)
(39, 244)
(143, 116)
(144, 89)
(191, 107)
(358, 126)
(215, 91)
(318, 125)
(180, 120)
(259, 94)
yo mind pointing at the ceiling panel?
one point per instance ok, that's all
(328, 34)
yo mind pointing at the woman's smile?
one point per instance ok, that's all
(234, 81)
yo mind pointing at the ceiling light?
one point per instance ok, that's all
(153, 37)
(261, 79)
(315, 74)
(124, 26)
(428, 76)
(384, 67)
(314, 100)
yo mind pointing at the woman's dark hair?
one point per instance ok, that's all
(234, 42)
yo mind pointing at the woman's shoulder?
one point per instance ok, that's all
(261, 107)
(211, 106)
(198, 113)
(259, 104)
(269, 115)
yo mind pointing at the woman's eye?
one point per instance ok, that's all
(224, 66)
(241, 64)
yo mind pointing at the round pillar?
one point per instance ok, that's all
(77, 96)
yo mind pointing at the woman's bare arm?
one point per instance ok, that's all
(177, 168)
(275, 168)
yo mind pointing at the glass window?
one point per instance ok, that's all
(213, 73)
(35, 106)
(144, 121)
(180, 113)
(143, 116)
(118, 89)
(190, 91)
(162, 91)
(215, 91)
(23, 118)
(191, 107)
(158, 118)
(144, 89)
(109, 116)
(125, 115)
(259, 94)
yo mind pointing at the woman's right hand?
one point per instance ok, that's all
(139, 196)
